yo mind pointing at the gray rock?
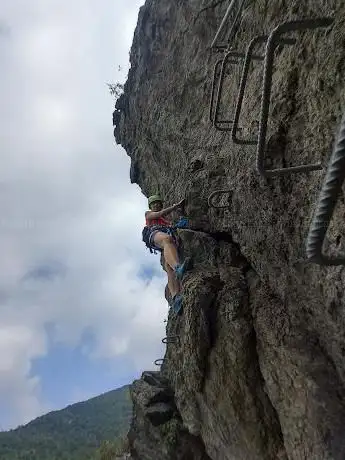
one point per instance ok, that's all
(156, 430)
(159, 413)
(154, 378)
(260, 371)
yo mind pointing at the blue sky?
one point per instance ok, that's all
(81, 299)
(69, 375)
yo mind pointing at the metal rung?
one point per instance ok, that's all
(221, 47)
(215, 72)
(244, 78)
(272, 43)
(245, 71)
(330, 191)
(231, 8)
(232, 57)
(219, 192)
(159, 362)
(171, 339)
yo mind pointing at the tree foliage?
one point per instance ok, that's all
(74, 433)
(111, 450)
(115, 89)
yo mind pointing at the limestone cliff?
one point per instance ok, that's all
(258, 371)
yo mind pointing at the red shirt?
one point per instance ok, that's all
(158, 221)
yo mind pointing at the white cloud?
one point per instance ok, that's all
(65, 197)
(19, 391)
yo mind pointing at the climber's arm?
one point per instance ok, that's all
(162, 212)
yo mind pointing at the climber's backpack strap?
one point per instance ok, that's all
(146, 238)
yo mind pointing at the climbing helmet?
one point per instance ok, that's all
(154, 198)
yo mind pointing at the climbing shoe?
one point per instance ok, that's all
(177, 304)
(181, 268)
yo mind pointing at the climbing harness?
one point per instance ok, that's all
(147, 236)
(147, 232)
(330, 191)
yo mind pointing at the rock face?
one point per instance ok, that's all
(258, 371)
(157, 430)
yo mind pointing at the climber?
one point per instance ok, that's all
(158, 235)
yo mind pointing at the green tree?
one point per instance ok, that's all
(111, 450)
(115, 89)
(74, 433)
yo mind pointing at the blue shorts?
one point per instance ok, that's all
(152, 234)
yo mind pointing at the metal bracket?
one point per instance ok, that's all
(171, 339)
(160, 361)
(215, 78)
(330, 191)
(244, 78)
(219, 192)
(272, 42)
(231, 8)
(245, 71)
(231, 57)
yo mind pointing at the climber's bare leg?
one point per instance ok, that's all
(173, 283)
(166, 243)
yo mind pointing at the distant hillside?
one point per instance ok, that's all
(73, 433)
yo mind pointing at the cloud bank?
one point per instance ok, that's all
(73, 270)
